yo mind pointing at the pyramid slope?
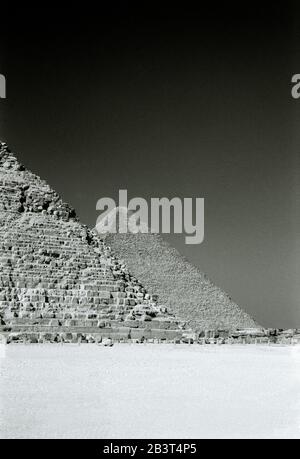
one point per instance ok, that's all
(182, 287)
(57, 276)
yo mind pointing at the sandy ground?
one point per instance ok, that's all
(149, 391)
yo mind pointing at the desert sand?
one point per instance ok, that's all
(149, 391)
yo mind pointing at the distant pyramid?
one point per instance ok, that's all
(118, 218)
(183, 288)
(58, 279)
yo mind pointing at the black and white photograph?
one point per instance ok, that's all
(149, 224)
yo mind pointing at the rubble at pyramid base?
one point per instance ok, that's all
(89, 334)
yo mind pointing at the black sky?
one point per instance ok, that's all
(171, 101)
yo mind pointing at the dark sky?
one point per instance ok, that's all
(171, 102)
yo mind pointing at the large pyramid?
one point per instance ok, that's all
(182, 287)
(58, 279)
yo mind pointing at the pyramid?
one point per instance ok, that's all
(182, 288)
(58, 280)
